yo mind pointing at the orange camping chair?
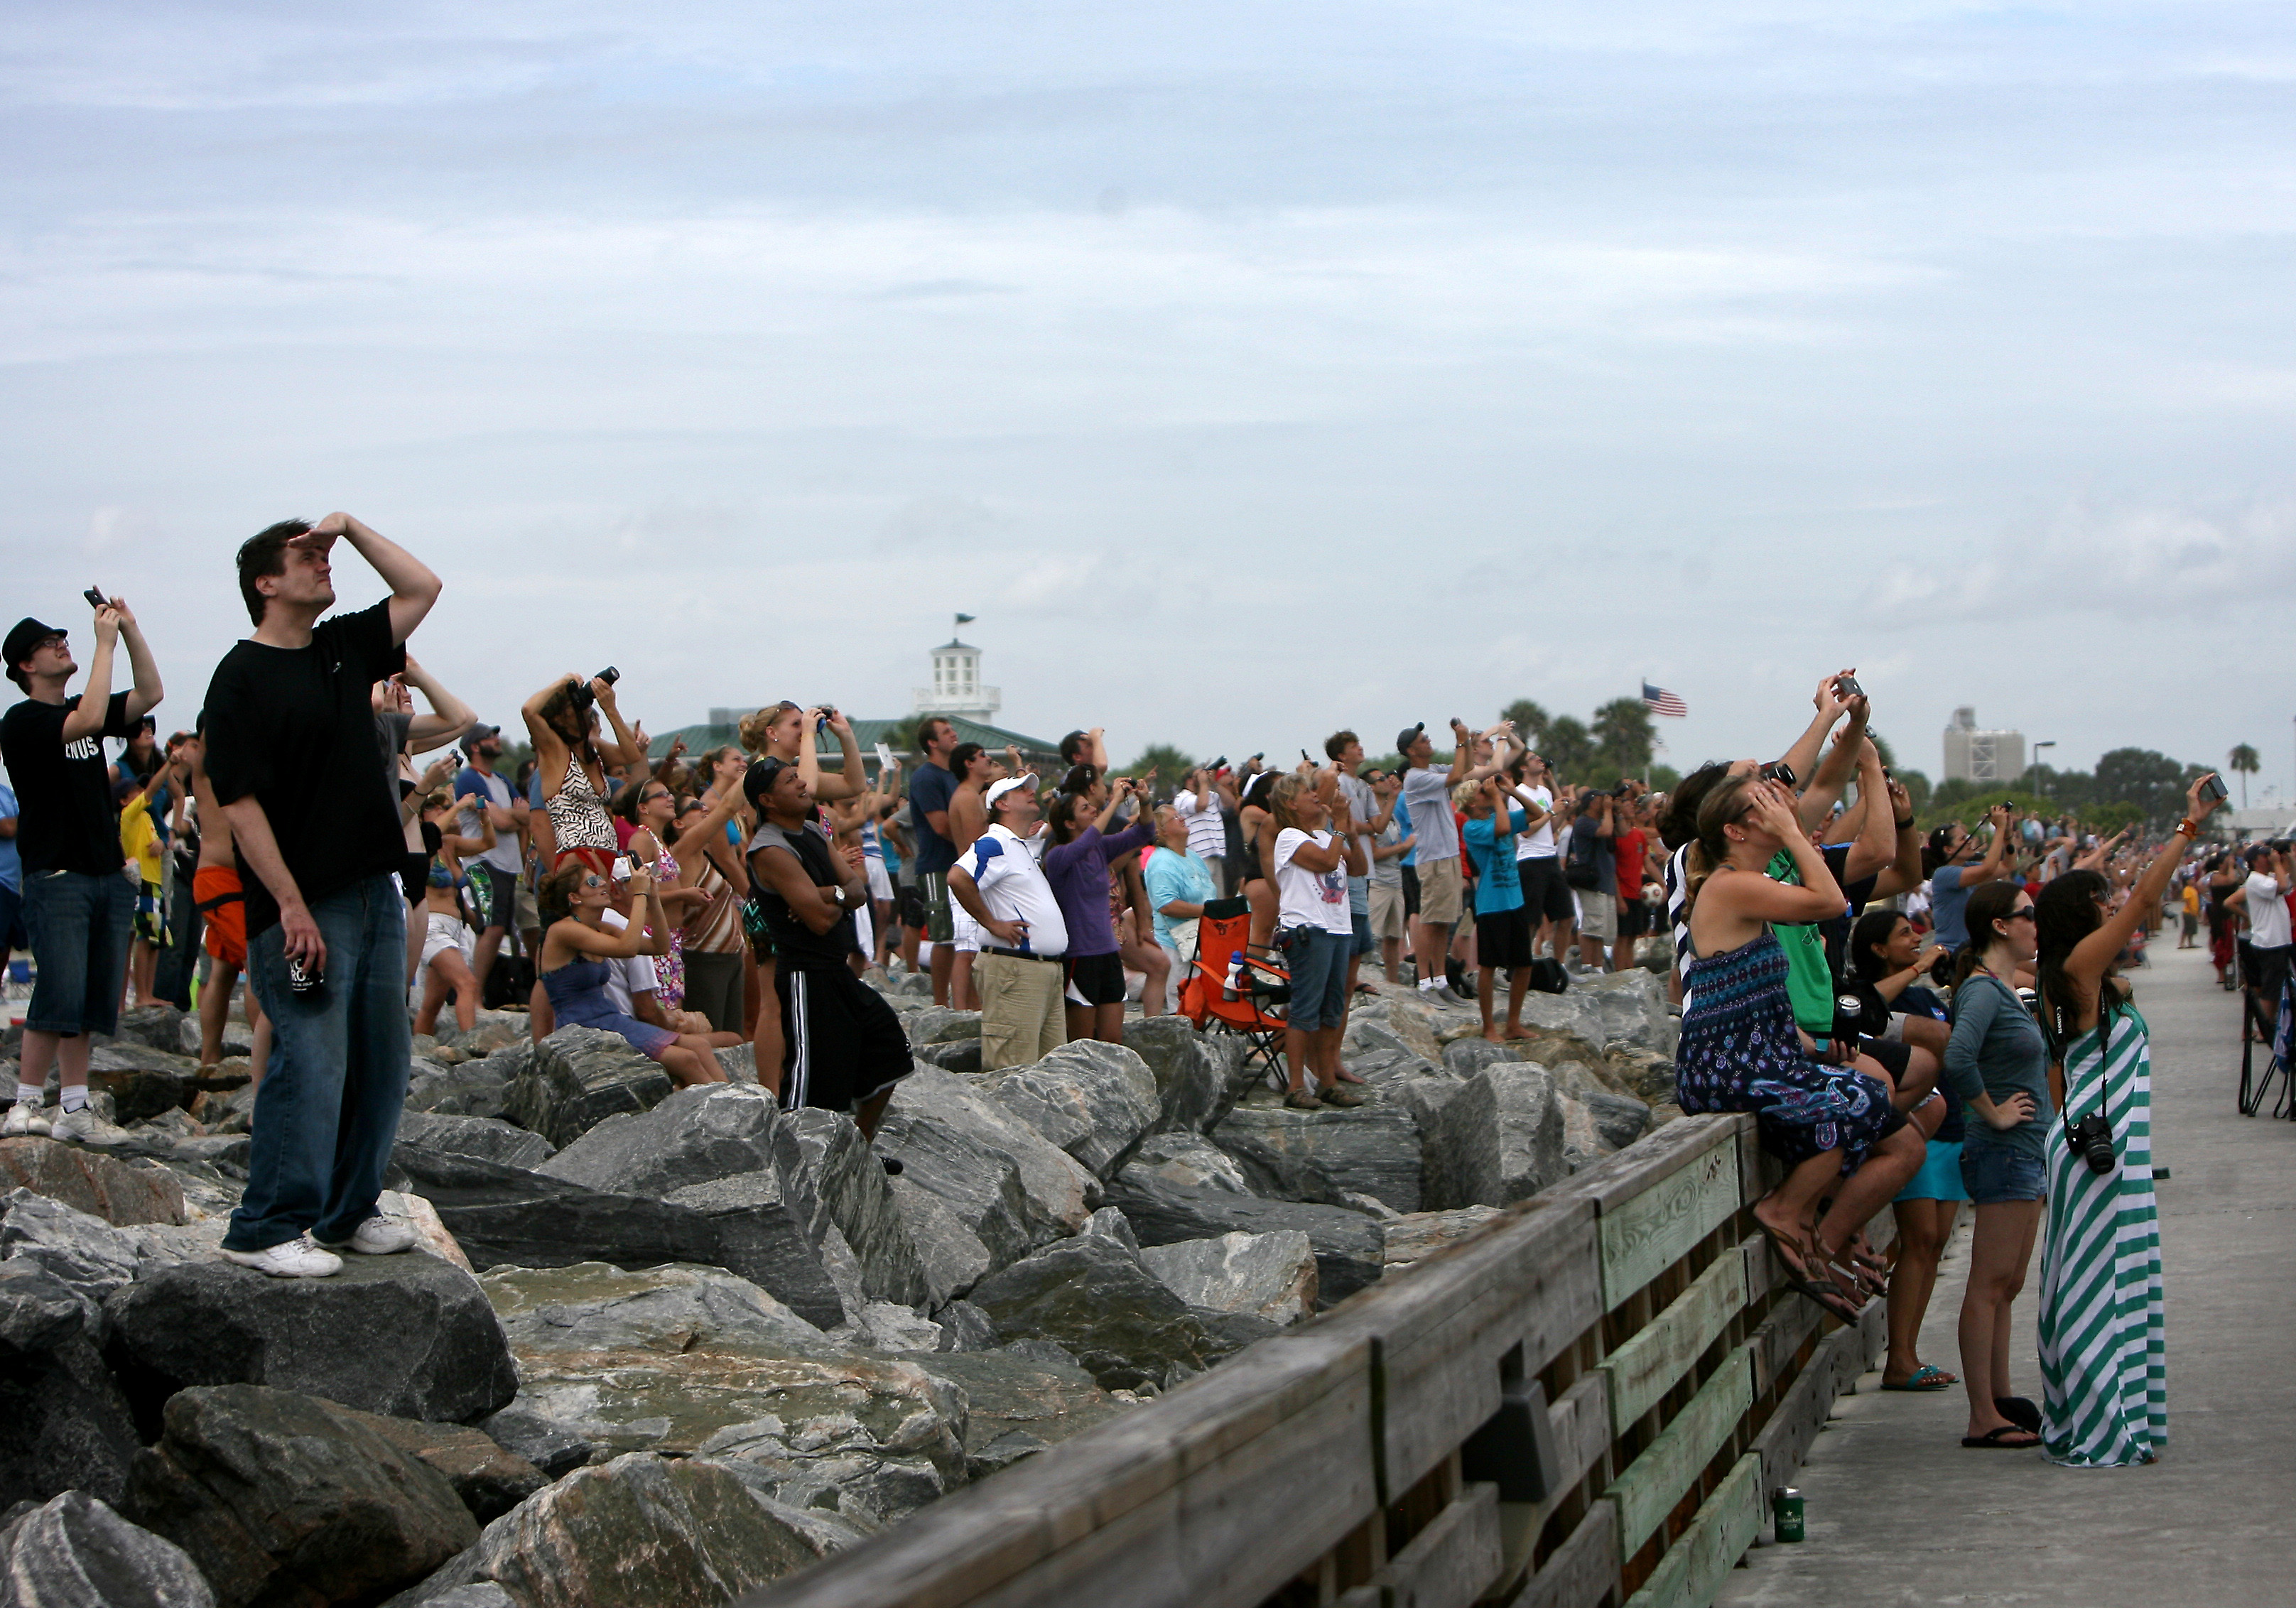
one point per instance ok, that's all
(1263, 990)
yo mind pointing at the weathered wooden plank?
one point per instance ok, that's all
(1643, 1236)
(1754, 1180)
(1780, 1336)
(1444, 1324)
(1625, 1174)
(1691, 1573)
(1185, 1477)
(1646, 1491)
(1581, 1420)
(1583, 1571)
(1840, 1358)
(1646, 1366)
(1453, 1561)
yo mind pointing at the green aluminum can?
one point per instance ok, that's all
(1785, 1510)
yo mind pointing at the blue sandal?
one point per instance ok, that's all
(1926, 1378)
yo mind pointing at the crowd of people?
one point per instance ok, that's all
(1914, 1021)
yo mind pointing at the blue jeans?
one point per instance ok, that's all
(332, 1090)
(1317, 962)
(80, 927)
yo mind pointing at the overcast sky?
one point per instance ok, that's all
(1248, 370)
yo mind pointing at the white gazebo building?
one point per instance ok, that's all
(956, 688)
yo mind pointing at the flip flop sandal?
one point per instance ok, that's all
(1925, 1379)
(1827, 1296)
(2018, 1410)
(1793, 1256)
(1855, 1286)
(1991, 1441)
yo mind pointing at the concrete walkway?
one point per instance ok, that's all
(1899, 1513)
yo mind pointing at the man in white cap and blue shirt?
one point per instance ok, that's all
(1019, 974)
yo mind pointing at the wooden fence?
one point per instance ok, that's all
(1589, 1403)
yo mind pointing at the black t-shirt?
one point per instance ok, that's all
(64, 790)
(295, 729)
(795, 943)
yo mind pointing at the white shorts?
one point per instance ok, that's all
(964, 933)
(880, 886)
(447, 932)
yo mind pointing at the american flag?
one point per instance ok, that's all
(1659, 701)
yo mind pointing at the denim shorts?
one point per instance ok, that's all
(80, 926)
(1360, 941)
(1994, 1173)
(1317, 961)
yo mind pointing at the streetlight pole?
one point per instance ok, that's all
(2038, 746)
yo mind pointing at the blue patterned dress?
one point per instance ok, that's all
(1740, 1052)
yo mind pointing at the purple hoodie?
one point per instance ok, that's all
(1078, 871)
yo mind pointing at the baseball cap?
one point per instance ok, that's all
(478, 734)
(1408, 735)
(759, 780)
(997, 789)
(24, 639)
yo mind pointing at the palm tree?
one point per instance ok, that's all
(2243, 760)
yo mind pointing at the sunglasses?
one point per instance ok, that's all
(2024, 912)
(594, 881)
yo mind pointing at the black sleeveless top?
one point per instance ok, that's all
(795, 943)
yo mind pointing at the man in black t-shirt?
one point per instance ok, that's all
(842, 1048)
(930, 788)
(292, 761)
(78, 905)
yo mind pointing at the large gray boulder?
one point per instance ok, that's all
(488, 1138)
(282, 1498)
(641, 1531)
(1091, 1296)
(783, 1190)
(953, 1258)
(1324, 1155)
(142, 1080)
(1422, 1234)
(1007, 1183)
(1492, 1139)
(833, 1170)
(74, 1552)
(938, 1024)
(1269, 1276)
(1018, 1403)
(1387, 1026)
(79, 1251)
(472, 1089)
(673, 1310)
(123, 1193)
(1183, 1156)
(488, 1477)
(577, 1077)
(409, 1336)
(1199, 1075)
(1348, 1250)
(687, 1363)
(1092, 1099)
(63, 1421)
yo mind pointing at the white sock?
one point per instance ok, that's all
(30, 1094)
(74, 1096)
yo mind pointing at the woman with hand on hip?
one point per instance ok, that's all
(1997, 1061)
(2104, 1377)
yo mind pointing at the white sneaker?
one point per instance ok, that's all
(86, 1127)
(380, 1235)
(298, 1258)
(23, 1118)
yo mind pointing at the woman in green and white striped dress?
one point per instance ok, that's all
(2104, 1371)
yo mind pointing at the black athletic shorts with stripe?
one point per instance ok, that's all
(841, 1044)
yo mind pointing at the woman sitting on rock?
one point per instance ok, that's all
(573, 964)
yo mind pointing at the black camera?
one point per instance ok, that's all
(2091, 1139)
(820, 721)
(1846, 688)
(1777, 770)
(2213, 787)
(584, 697)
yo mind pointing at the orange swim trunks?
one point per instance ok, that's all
(222, 901)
